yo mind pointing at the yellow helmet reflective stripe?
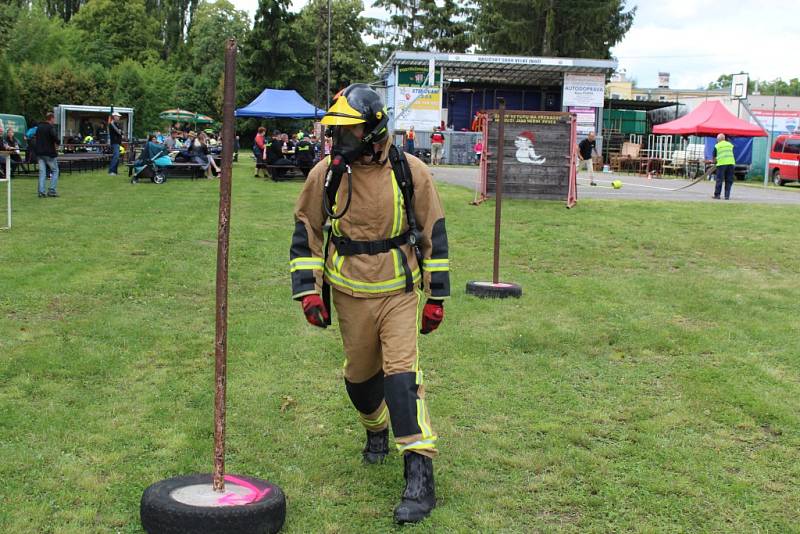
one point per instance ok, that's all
(341, 113)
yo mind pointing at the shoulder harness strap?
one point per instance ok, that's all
(405, 181)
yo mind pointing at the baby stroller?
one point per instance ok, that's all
(151, 164)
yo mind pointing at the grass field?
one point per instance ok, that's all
(647, 381)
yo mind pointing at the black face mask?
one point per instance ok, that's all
(347, 145)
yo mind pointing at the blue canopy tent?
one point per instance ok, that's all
(280, 104)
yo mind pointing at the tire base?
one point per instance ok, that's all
(500, 290)
(160, 513)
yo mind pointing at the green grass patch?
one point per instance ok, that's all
(647, 381)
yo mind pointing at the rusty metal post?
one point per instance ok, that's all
(498, 193)
(221, 337)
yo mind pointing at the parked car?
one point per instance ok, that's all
(784, 159)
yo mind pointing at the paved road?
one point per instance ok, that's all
(640, 188)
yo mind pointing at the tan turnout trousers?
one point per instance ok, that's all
(382, 366)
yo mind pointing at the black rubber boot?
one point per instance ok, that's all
(377, 447)
(419, 497)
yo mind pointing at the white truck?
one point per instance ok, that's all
(76, 122)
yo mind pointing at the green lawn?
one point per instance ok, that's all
(647, 381)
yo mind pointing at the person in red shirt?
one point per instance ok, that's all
(259, 150)
(437, 144)
(478, 150)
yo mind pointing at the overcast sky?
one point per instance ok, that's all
(697, 40)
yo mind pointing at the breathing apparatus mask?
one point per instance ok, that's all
(357, 104)
(347, 148)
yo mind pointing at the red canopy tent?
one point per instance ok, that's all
(709, 119)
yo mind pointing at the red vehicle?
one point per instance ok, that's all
(784, 159)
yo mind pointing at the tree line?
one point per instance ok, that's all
(158, 54)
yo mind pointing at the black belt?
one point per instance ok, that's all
(348, 247)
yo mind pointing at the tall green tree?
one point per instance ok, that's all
(404, 27)
(64, 9)
(8, 89)
(352, 59)
(114, 31)
(268, 56)
(175, 19)
(445, 26)
(10, 10)
(41, 87)
(54, 39)
(213, 23)
(565, 28)
(450, 26)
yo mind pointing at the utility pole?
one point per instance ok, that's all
(328, 85)
(770, 134)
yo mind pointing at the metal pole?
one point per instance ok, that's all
(221, 338)
(770, 135)
(501, 131)
(7, 179)
(328, 92)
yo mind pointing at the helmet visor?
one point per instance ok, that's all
(341, 113)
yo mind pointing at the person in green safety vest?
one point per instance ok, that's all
(725, 162)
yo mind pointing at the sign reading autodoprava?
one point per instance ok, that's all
(536, 151)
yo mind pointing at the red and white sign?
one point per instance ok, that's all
(785, 121)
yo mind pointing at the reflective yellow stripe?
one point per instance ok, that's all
(419, 445)
(398, 266)
(436, 265)
(379, 420)
(426, 430)
(416, 340)
(337, 260)
(397, 220)
(298, 264)
(399, 282)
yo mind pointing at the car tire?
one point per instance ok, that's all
(161, 513)
(776, 178)
(499, 290)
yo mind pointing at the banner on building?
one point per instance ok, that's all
(417, 103)
(585, 119)
(584, 90)
(785, 122)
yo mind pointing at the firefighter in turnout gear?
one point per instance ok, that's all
(384, 251)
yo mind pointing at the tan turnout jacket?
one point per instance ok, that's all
(377, 212)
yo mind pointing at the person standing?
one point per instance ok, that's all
(586, 148)
(478, 150)
(725, 162)
(437, 144)
(115, 140)
(260, 151)
(46, 146)
(305, 155)
(391, 240)
(410, 136)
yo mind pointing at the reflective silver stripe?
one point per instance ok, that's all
(417, 445)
